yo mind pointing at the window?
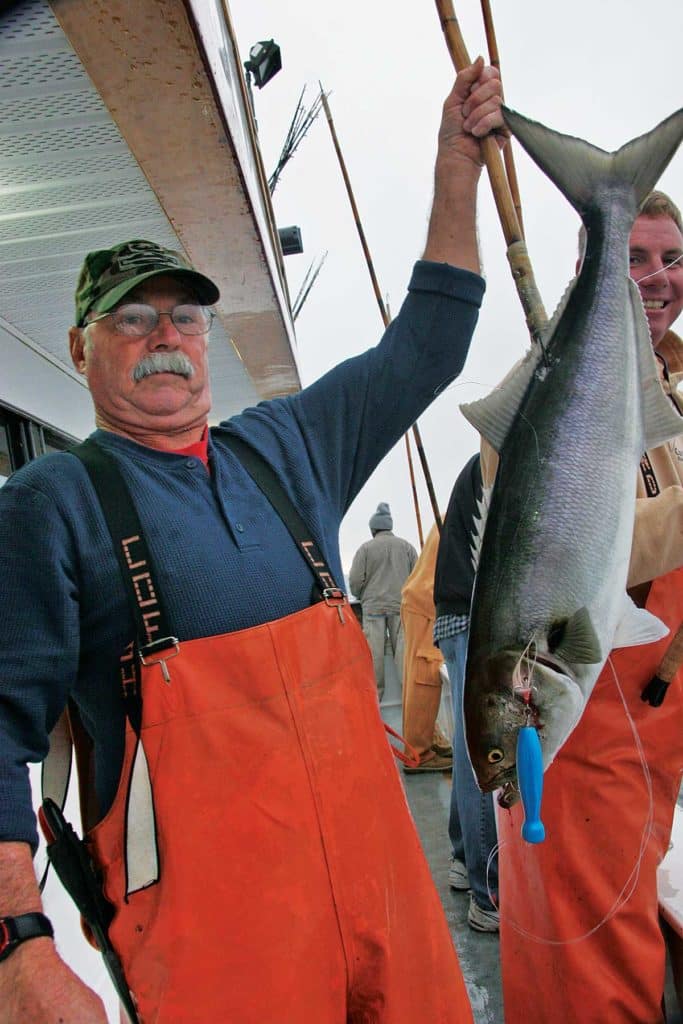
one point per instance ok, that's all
(53, 442)
(22, 439)
(5, 462)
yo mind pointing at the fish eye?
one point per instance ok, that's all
(495, 756)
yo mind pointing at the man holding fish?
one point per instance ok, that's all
(583, 555)
(249, 820)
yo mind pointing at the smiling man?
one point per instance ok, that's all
(656, 257)
(245, 812)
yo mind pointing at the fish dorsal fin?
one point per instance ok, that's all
(660, 420)
(561, 306)
(494, 415)
(479, 525)
(637, 626)
(579, 644)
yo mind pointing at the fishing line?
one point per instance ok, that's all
(522, 682)
(460, 382)
(493, 897)
(629, 885)
(660, 271)
(533, 430)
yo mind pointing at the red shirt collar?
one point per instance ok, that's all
(200, 449)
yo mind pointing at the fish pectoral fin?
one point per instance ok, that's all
(494, 415)
(579, 644)
(638, 626)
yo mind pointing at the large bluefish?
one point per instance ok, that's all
(570, 424)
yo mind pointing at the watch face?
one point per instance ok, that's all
(15, 930)
(7, 937)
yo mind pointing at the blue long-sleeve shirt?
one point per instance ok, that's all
(223, 558)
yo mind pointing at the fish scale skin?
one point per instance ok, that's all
(558, 462)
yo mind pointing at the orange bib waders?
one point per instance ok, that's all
(292, 886)
(597, 812)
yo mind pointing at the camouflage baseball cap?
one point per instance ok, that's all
(109, 274)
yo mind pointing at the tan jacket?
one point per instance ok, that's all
(417, 599)
(658, 531)
(418, 590)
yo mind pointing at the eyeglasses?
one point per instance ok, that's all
(137, 320)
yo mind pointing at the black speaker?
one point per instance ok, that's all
(290, 240)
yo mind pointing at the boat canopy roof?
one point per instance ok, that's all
(122, 121)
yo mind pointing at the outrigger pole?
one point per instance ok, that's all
(414, 489)
(386, 319)
(517, 254)
(301, 122)
(306, 285)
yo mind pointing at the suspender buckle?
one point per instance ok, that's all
(162, 646)
(335, 598)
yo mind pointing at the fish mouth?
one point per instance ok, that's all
(505, 777)
(550, 661)
(515, 711)
(509, 795)
(539, 690)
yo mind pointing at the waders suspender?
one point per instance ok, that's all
(325, 589)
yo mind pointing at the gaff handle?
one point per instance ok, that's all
(530, 780)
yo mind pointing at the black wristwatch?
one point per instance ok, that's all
(15, 930)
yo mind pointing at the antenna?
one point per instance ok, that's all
(301, 122)
(306, 285)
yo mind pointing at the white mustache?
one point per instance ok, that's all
(163, 362)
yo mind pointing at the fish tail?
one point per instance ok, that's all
(586, 174)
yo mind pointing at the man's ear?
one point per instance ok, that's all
(77, 348)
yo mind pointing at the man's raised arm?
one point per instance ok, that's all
(471, 111)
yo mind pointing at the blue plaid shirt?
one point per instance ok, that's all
(449, 625)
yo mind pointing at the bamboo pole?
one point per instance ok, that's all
(385, 319)
(673, 657)
(414, 490)
(517, 254)
(655, 691)
(508, 155)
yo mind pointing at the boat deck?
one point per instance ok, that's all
(429, 798)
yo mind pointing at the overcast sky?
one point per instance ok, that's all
(605, 71)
